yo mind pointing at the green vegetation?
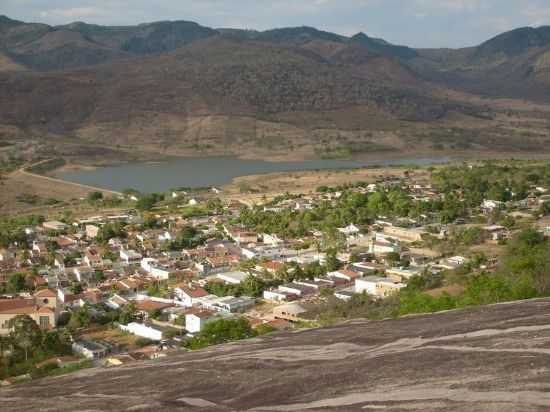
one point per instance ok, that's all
(12, 229)
(111, 230)
(524, 274)
(221, 331)
(46, 166)
(146, 202)
(27, 345)
(251, 286)
(94, 197)
(188, 237)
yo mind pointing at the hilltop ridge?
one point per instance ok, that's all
(183, 88)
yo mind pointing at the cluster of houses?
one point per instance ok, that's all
(69, 268)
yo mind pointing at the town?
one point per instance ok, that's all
(189, 268)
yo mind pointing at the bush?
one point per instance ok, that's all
(264, 329)
(142, 342)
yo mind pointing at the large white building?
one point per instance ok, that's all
(377, 286)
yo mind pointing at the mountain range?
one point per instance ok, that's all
(178, 86)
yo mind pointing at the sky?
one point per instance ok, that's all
(416, 23)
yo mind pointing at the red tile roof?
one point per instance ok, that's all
(45, 293)
(17, 306)
(150, 305)
(193, 292)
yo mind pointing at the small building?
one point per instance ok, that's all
(130, 257)
(232, 278)
(277, 295)
(188, 295)
(89, 349)
(377, 286)
(195, 321)
(93, 259)
(92, 231)
(368, 285)
(292, 312)
(345, 294)
(55, 226)
(405, 234)
(346, 275)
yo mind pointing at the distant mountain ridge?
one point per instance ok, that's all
(99, 44)
(101, 83)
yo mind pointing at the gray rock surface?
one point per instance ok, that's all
(495, 358)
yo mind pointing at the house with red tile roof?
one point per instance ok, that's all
(42, 308)
(188, 295)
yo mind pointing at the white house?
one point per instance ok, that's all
(367, 284)
(227, 304)
(277, 295)
(350, 230)
(404, 273)
(490, 205)
(187, 295)
(272, 239)
(382, 245)
(83, 273)
(377, 286)
(160, 273)
(147, 264)
(344, 274)
(194, 322)
(116, 302)
(130, 257)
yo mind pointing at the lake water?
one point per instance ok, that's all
(208, 171)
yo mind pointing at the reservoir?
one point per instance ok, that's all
(194, 172)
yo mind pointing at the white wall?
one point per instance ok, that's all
(141, 330)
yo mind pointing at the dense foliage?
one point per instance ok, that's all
(221, 331)
(524, 274)
(27, 345)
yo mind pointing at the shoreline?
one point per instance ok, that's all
(373, 162)
(46, 177)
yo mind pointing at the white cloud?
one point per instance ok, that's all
(453, 5)
(72, 13)
(537, 14)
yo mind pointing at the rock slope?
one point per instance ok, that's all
(483, 359)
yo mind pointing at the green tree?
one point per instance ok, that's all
(146, 202)
(79, 318)
(94, 197)
(76, 288)
(332, 262)
(128, 314)
(252, 286)
(16, 283)
(545, 209)
(25, 333)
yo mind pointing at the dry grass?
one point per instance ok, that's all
(19, 183)
(114, 336)
(275, 184)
